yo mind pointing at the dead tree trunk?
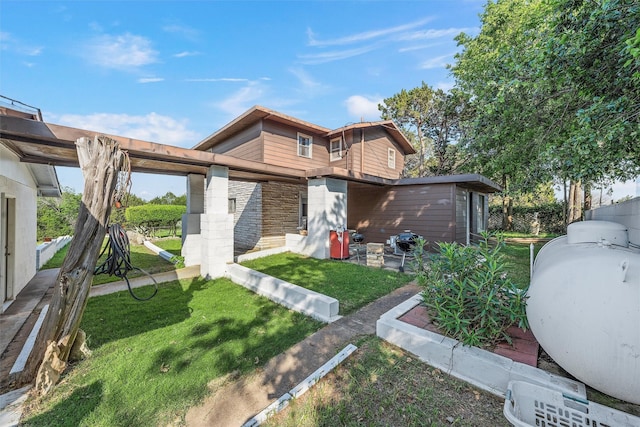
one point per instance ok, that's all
(100, 160)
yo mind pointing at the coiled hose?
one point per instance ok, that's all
(118, 261)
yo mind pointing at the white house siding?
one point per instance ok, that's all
(626, 213)
(18, 186)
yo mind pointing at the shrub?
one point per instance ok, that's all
(469, 295)
(151, 216)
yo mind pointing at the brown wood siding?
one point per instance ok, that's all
(281, 147)
(376, 145)
(246, 144)
(280, 208)
(379, 213)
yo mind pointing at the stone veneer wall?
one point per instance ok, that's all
(281, 209)
(247, 221)
(265, 212)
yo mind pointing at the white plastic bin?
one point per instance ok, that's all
(529, 404)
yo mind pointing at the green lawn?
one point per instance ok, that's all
(153, 360)
(141, 257)
(516, 256)
(353, 285)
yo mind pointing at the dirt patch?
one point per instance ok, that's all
(382, 385)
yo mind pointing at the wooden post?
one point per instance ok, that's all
(100, 160)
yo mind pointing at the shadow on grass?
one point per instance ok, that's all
(153, 360)
(128, 317)
(74, 409)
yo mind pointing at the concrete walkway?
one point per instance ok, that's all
(234, 402)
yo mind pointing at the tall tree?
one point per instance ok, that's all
(444, 128)
(432, 120)
(552, 91)
(409, 109)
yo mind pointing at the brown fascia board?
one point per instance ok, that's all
(388, 125)
(474, 181)
(251, 116)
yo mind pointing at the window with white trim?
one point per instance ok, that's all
(391, 158)
(335, 149)
(305, 143)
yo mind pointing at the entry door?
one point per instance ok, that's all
(7, 246)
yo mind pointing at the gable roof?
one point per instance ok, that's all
(258, 112)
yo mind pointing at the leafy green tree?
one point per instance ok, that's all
(57, 216)
(555, 93)
(444, 128)
(431, 119)
(169, 199)
(409, 110)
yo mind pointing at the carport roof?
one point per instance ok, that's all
(38, 142)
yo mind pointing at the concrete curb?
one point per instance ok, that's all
(483, 369)
(311, 303)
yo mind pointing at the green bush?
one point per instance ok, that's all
(151, 216)
(469, 295)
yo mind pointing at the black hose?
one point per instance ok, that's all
(118, 262)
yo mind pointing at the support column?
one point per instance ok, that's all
(216, 224)
(191, 237)
(327, 210)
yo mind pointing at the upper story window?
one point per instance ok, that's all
(305, 143)
(391, 158)
(335, 149)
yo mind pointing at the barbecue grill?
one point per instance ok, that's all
(357, 238)
(406, 241)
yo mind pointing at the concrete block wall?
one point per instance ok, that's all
(626, 213)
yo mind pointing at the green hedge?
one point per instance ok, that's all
(155, 215)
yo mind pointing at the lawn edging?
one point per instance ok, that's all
(320, 307)
(483, 369)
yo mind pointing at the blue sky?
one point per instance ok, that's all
(174, 72)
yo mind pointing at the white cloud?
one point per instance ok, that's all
(243, 99)
(185, 53)
(437, 62)
(321, 58)
(152, 127)
(362, 107)
(150, 79)
(309, 86)
(123, 52)
(182, 30)
(437, 34)
(10, 43)
(363, 36)
(219, 79)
